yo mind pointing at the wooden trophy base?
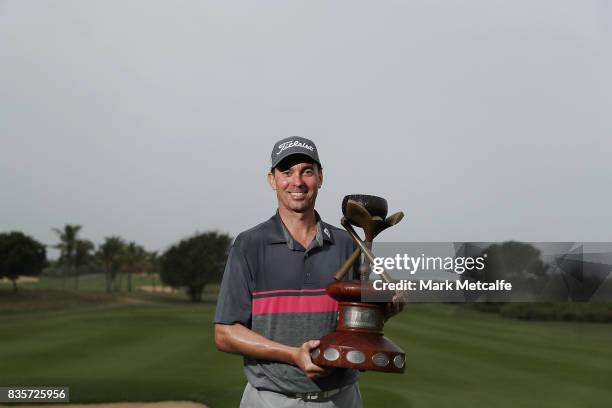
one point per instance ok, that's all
(358, 341)
(365, 351)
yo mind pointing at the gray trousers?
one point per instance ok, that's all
(254, 398)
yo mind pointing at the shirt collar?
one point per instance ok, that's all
(278, 232)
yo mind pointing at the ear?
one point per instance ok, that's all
(272, 180)
(320, 178)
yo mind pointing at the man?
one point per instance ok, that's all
(272, 305)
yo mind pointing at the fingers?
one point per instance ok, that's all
(399, 297)
(305, 362)
(394, 307)
(311, 344)
(312, 370)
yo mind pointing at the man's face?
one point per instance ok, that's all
(296, 181)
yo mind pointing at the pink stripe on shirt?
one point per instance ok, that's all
(294, 304)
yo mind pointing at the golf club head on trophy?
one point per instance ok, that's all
(358, 341)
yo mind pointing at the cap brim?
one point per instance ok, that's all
(294, 154)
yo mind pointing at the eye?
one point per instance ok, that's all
(287, 173)
(308, 172)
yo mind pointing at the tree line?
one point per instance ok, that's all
(191, 263)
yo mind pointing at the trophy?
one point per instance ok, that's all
(358, 341)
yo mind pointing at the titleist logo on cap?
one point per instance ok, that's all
(293, 143)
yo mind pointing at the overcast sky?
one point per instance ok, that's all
(481, 120)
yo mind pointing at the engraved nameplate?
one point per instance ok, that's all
(356, 317)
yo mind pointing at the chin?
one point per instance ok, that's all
(299, 209)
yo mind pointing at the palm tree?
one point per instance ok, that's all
(68, 247)
(135, 259)
(82, 256)
(111, 252)
(153, 267)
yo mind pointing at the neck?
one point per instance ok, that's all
(301, 226)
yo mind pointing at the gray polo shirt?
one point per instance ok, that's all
(276, 287)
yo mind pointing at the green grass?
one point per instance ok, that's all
(457, 357)
(87, 283)
(161, 348)
(113, 352)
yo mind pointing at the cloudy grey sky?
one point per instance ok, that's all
(482, 120)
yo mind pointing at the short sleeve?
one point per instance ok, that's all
(235, 295)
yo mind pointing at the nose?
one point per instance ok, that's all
(297, 179)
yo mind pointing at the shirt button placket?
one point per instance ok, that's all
(307, 274)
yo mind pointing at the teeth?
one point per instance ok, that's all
(297, 195)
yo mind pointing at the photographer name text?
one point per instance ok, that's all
(433, 285)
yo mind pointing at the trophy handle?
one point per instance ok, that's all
(376, 228)
(366, 251)
(347, 264)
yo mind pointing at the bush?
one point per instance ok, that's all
(195, 261)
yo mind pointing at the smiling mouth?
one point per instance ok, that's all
(297, 195)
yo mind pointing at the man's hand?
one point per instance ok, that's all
(303, 360)
(395, 306)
